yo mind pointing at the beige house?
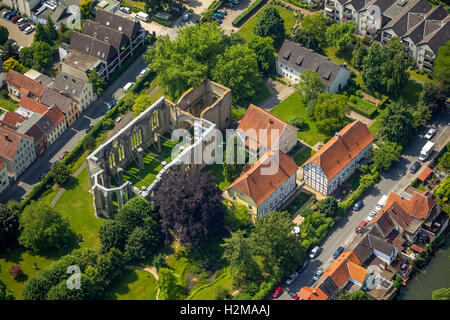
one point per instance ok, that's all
(260, 189)
(23, 6)
(78, 90)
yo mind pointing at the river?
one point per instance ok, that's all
(435, 276)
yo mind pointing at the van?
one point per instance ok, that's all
(381, 203)
(360, 225)
(314, 252)
(128, 86)
(142, 16)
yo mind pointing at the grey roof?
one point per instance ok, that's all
(80, 60)
(51, 97)
(69, 85)
(421, 25)
(115, 37)
(382, 4)
(92, 46)
(361, 247)
(400, 23)
(300, 59)
(129, 27)
(27, 124)
(357, 4)
(380, 244)
(328, 286)
(439, 37)
(395, 8)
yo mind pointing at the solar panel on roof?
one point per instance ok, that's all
(287, 54)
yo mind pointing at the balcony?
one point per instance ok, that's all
(329, 5)
(329, 11)
(347, 16)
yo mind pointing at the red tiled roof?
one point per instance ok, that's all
(425, 174)
(340, 150)
(260, 186)
(25, 83)
(347, 266)
(55, 115)
(2, 165)
(257, 119)
(416, 248)
(307, 293)
(419, 206)
(9, 142)
(32, 105)
(13, 119)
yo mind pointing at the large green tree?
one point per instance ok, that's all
(141, 103)
(4, 34)
(329, 207)
(397, 124)
(384, 154)
(60, 172)
(98, 82)
(265, 53)
(270, 24)
(112, 234)
(167, 284)
(310, 85)
(331, 113)
(441, 68)
(316, 26)
(237, 69)
(9, 227)
(340, 35)
(358, 54)
(43, 228)
(39, 56)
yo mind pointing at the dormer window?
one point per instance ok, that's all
(120, 28)
(87, 49)
(107, 23)
(106, 39)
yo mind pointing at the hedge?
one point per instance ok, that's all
(207, 285)
(265, 289)
(247, 13)
(161, 21)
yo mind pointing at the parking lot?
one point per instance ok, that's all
(233, 13)
(22, 39)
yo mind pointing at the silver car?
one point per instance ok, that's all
(291, 278)
(317, 275)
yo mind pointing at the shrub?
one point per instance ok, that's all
(221, 293)
(107, 124)
(298, 122)
(16, 271)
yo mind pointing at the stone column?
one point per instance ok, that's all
(158, 140)
(119, 176)
(130, 193)
(141, 158)
(120, 198)
(98, 200)
(108, 204)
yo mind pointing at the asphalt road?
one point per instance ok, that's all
(396, 179)
(70, 138)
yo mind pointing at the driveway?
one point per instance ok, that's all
(22, 39)
(279, 93)
(233, 13)
(396, 179)
(70, 138)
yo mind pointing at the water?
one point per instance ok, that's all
(436, 276)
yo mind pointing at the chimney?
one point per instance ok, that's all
(314, 292)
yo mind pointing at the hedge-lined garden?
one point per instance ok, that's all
(247, 13)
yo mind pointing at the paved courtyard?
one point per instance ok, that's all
(22, 39)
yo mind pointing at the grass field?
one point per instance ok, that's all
(208, 292)
(8, 104)
(364, 108)
(414, 74)
(293, 106)
(343, 56)
(247, 29)
(262, 94)
(301, 157)
(133, 285)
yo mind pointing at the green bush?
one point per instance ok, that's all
(161, 21)
(247, 13)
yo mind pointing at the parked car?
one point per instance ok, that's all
(414, 167)
(15, 19)
(90, 127)
(23, 26)
(11, 15)
(128, 86)
(314, 252)
(21, 20)
(28, 29)
(277, 292)
(361, 225)
(338, 252)
(219, 15)
(317, 275)
(143, 71)
(371, 215)
(125, 9)
(187, 16)
(43, 174)
(217, 19)
(222, 11)
(62, 155)
(430, 133)
(291, 278)
(5, 13)
(228, 5)
(358, 205)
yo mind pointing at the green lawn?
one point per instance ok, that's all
(237, 112)
(217, 171)
(301, 157)
(364, 107)
(247, 29)
(300, 200)
(208, 291)
(77, 205)
(414, 74)
(133, 285)
(131, 3)
(343, 56)
(293, 106)
(262, 94)
(8, 104)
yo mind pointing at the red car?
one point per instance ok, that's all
(360, 225)
(277, 292)
(62, 155)
(15, 18)
(295, 297)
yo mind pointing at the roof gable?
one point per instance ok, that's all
(22, 81)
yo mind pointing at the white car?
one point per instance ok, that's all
(430, 133)
(187, 16)
(314, 252)
(317, 275)
(371, 215)
(291, 278)
(125, 9)
(28, 30)
(143, 72)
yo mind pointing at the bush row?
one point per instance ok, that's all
(161, 21)
(366, 182)
(247, 13)
(357, 109)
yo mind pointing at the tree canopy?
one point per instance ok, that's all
(441, 68)
(4, 34)
(385, 154)
(265, 53)
(340, 35)
(38, 56)
(310, 85)
(315, 25)
(331, 113)
(9, 227)
(98, 82)
(397, 124)
(60, 173)
(270, 24)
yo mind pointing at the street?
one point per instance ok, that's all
(395, 179)
(69, 139)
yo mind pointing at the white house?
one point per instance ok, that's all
(4, 179)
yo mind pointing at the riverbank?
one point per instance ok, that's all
(433, 276)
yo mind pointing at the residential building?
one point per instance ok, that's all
(27, 107)
(2, 75)
(12, 119)
(58, 119)
(262, 131)
(37, 127)
(17, 151)
(20, 85)
(307, 293)
(68, 107)
(23, 6)
(107, 5)
(39, 77)
(79, 64)
(346, 268)
(4, 179)
(338, 159)
(265, 185)
(78, 90)
(293, 59)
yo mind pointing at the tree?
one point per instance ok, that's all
(98, 82)
(329, 207)
(89, 143)
(279, 250)
(220, 293)
(141, 103)
(5, 294)
(9, 50)
(134, 213)
(433, 95)
(441, 294)
(232, 168)
(60, 173)
(36, 288)
(358, 54)
(299, 122)
(9, 227)
(87, 290)
(307, 39)
(136, 248)
(340, 35)
(39, 56)
(52, 33)
(310, 85)
(316, 26)
(441, 68)
(16, 271)
(167, 283)
(237, 216)
(238, 251)
(444, 162)
(270, 24)
(357, 295)
(190, 206)
(385, 154)
(265, 54)
(396, 124)
(422, 114)
(40, 34)
(43, 228)
(331, 113)
(86, 7)
(443, 191)
(237, 69)
(112, 234)
(4, 34)
(12, 64)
